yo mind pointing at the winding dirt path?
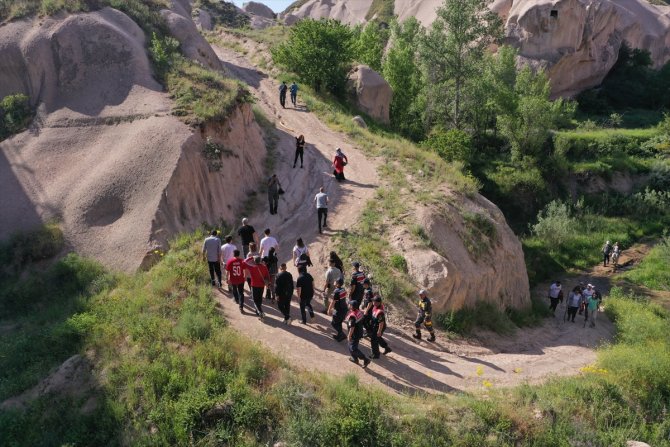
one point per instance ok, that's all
(555, 348)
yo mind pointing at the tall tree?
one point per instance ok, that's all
(452, 54)
(370, 44)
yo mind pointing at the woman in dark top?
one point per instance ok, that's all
(271, 262)
(299, 149)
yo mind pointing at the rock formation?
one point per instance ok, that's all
(346, 11)
(104, 156)
(258, 9)
(203, 19)
(371, 93)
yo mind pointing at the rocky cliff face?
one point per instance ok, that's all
(105, 157)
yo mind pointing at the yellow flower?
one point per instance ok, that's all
(487, 384)
(517, 370)
(480, 370)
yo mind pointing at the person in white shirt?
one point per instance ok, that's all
(321, 200)
(299, 250)
(227, 252)
(555, 295)
(267, 243)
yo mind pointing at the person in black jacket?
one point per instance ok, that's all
(299, 150)
(284, 292)
(305, 291)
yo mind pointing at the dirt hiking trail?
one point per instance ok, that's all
(555, 348)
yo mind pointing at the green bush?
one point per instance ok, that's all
(594, 144)
(554, 223)
(15, 114)
(32, 246)
(450, 145)
(163, 51)
(654, 270)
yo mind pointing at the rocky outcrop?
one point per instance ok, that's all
(346, 11)
(105, 155)
(258, 9)
(203, 19)
(371, 93)
(466, 253)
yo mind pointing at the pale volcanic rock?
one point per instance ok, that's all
(258, 9)
(346, 11)
(372, 93)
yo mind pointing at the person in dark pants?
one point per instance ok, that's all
(271, 262)
(260, 278)
(574, 301)
(273, 193)
(366, 306)
(284, 292)
(294, 94)
(378, 328)
(338, 309)
(235, 277)
(321, 200)
(282, 94)
(555, 295)
(356, 283)
(424, 316)
(355, 324)
(299, 150)
(248, 235)
(211, 250)
(305, 291)
(607, 250)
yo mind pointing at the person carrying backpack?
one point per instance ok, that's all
(378, 328)
(271, 262)
(301, 254)
(424, 316)
(607, 250)
(339, 162)
(338, 309)
(355, 324)
(282, 94)
(294, 93)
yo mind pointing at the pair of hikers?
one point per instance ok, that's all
(585, 300)
(611, 252)
(283, 88)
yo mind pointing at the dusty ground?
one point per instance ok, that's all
(555, 348)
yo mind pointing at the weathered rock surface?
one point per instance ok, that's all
(371, 92)
(105, 156)
(359, 121)
(258, 9)
(477, 258)
(203, 19)
(346, 11)
(636, 444)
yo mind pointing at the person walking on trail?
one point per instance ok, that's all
(424, 317)
(338, 309)
(305, 290)
(248, 235)
(321, 200)
(339, 162)
(301, 254)
(211, 250)
(227, 252)
(573, 303)
(366, 306)
(616, 253)
(333, 274)
(607, 251)
(356, 283)
(267, 243)
(337, 262)
(274, 191)
(378, 328)
(587, 294)
(355, 325)
(271, 261)
(299, 150)
(235, 278)
(284, 292)
(260, 278)
(591, 310)
(282, 94)
(555, 295)
(294, 94)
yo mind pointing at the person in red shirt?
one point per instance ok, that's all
(260, 278)
(235, 278)
(339, 162)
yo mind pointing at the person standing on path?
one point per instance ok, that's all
(592, 310)
(235, 278)
(356, 288)
(301, 254)
(321, 200)
(339, 162)
(305, 291)
(274, 190)
(260, 278)
(424, 317)
(338, 309)
(555, 295)
(607, 250)
(616, 253)
(227, 252)
(211, 250)
(378, 328)
(355, 324)
(299, 150)
(294, 94)
(284, 292)
(333, 274)
(574, 300)
(271, 261)
(267, 243)
(282, 94)
(248, 235)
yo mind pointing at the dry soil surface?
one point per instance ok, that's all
(555, 348)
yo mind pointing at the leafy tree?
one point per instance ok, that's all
(370, 44)
(450, 145)
(452, 54)
(320, 52)
(402, 71)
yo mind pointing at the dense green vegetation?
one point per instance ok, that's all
(654, 271)
(15, 114)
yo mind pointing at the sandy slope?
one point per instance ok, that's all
(556, 348)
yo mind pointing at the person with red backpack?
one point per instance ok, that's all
(378, 328)
(339, 162)
(354, 321)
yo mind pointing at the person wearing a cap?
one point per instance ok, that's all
(338, 309)
(355, 324)
(366, 306)
(356, 284)
(424, 316)
(378, 328)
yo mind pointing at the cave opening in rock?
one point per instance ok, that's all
(554, 13)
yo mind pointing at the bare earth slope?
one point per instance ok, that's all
(532, 355)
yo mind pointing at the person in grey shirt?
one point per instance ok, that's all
(321, 200)
(332, 275)
(211, 250)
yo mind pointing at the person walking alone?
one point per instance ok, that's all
(299, 150)
(294, 94)
(211, 250)
(338, 309)
(274, 190)
(235, 278)
(355, 324)
(339, 162)
(248, 235)
(282, 94)
(321, 200)
(284, 292)
(607, 250)
(424, 317)
(305, 291)
(378, 328)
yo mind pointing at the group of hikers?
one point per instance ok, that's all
(283, 88)
(611, 253)
(583, 299)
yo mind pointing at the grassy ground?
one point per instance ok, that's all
(654, 270)
(172, 373)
